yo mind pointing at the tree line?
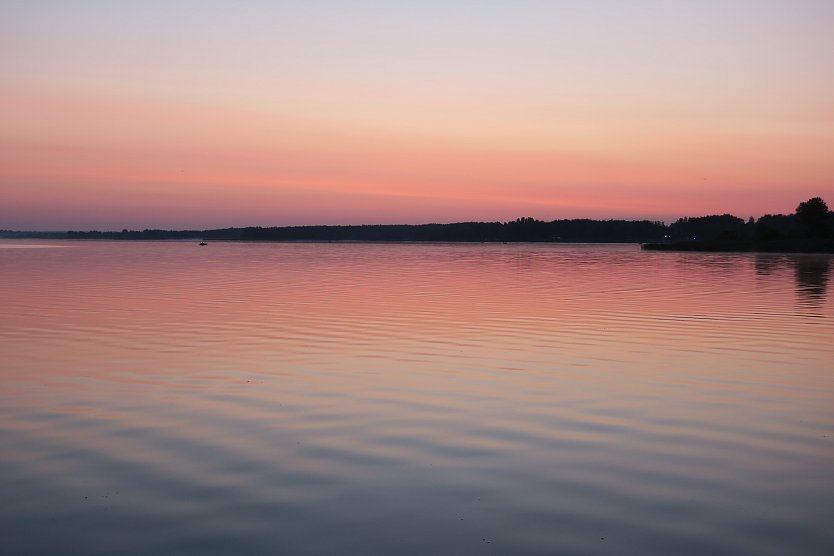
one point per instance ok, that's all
(809, 228)
(811, 222)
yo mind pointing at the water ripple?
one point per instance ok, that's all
(375, 399)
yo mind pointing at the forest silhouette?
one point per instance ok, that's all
(809, 228)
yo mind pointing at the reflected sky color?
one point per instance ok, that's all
(175, 114)
(164, 398)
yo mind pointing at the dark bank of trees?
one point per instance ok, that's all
(522, 229)
(809, 228)
(724, 226)
(519, 230)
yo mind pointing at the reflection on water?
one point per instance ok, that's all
(811, 271)
(164, 398)
(812, 279)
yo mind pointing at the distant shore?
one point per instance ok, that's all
(809, 230)
(526, 230)
(745, 246)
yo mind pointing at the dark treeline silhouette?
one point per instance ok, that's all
(519, 230)
(810, 228)
(723, 226)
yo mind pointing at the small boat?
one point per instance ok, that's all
(203, 243)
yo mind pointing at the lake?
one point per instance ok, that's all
(336, 398)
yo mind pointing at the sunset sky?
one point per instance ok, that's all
(184, 114)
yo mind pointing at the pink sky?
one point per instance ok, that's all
(256, 113)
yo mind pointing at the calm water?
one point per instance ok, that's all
(165, 398)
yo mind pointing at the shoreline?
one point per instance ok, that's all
(822, 246)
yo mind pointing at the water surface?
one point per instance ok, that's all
(165, 398)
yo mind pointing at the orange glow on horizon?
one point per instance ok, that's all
(570, 112)
(197, 160)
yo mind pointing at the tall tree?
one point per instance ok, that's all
(812, 216)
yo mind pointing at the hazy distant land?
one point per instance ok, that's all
(809, 229)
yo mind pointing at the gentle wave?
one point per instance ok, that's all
(386, 398)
